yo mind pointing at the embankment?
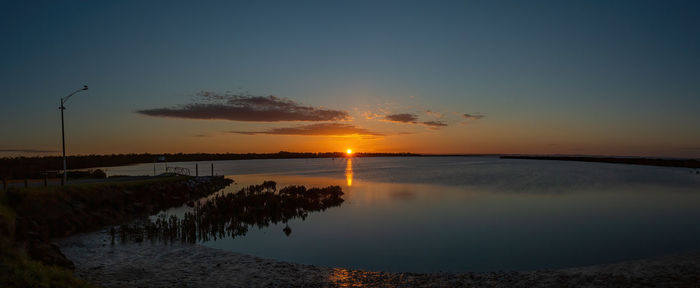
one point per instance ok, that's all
(46, 213)
(30, 217)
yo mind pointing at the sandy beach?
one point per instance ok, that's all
(185, 265)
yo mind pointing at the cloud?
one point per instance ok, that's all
(237, 107)
(402, 118)
(320, 129)
(26, 151)
(434, 124)
(413, 119)
(473, 116)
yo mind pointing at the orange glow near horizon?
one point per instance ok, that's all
(485, 138)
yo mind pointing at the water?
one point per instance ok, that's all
(429, 214)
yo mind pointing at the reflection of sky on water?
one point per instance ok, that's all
(477, 214)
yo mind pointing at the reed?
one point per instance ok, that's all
(231, 215)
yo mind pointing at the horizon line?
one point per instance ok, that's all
(357, 153)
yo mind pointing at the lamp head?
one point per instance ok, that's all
(85, 87)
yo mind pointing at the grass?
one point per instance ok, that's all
(138, 182)
(16, 267)
(5, 211)
(92, 185)
(16, 270)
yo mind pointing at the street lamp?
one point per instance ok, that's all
(63, 135)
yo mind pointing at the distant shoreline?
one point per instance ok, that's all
(685, 163)
(35, 167)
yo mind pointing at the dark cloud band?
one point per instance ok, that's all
(434, 124)
(320, 129)
(403, 118)
(247, 108)
(413, 119)
(473, 116)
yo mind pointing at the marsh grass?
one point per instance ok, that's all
(16, 270)
(60, 210)
(232, 214)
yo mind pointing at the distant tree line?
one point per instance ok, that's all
(35, 167)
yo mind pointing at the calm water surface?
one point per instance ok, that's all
(428, 214)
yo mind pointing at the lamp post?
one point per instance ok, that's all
(63, 135)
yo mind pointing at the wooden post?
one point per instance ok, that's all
(212, 169)
(26, 182)
(63, 180)
(4, 183)
(196, 170)
(46, 180)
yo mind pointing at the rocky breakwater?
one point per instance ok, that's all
(42, 214)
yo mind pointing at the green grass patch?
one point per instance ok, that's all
(16, 270)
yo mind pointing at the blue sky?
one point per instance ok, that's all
(587, 77)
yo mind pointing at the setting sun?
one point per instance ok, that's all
(349, 151)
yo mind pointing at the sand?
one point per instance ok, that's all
(187, 265)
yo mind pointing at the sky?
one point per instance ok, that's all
(468, 77)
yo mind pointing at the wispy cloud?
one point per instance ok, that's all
(320, 129)
(434, 124)
(402, 118)
(12, 150)
(473, 116)
(246, 107)
(408, 118)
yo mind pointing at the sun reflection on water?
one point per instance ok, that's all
(348, 172)
(347, 278)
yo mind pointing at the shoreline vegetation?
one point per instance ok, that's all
(232, 214)
(36, 167)
(31, 217)
(40, 167)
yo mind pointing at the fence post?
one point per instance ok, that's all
(212, 169)
(4, 183)
(196, 170)
(26, 182)
(46, 180)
